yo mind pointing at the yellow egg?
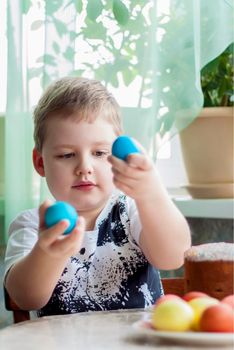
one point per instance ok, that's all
(173, 315)
(199, 305)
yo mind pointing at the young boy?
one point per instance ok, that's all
(128, 227)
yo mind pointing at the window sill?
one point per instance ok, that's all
(204, 208)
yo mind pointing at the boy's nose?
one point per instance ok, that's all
(84, 167)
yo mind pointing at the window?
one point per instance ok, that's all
(171, 167)
(169, 158)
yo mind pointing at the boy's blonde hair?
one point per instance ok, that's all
(89, 99)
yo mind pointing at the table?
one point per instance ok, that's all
(99, 330)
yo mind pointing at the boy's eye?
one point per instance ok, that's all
(101, 153)
(67, 155)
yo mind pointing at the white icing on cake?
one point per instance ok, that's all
(211, 252)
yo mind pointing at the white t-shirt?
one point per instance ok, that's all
(109, 272)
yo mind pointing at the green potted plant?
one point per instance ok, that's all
(217, 80)
(207, 143)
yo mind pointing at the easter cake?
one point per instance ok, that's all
(209, 268)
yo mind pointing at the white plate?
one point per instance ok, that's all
(198, 338)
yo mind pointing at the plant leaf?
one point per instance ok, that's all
(120, 12)
(60, 27)
(72, 35)
(79, 5)
(94, 9)
(56, 47)
(94, 30)
(114, 81)
(128, 76)
(26, 6)
(53, 6)
(47, 59)
(36, 24)
(34, 72)
(69, 54)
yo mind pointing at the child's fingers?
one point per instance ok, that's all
(74, 239)
(129, 189)
(135, 160)
(136, 163)
(122, 186)
(71, 240)
(139, 161)
(42, 209)
(48, 236)
(121, 166)
(126, 173)
(80, 223)
(130, 178)
(51, 234)
(139, 146)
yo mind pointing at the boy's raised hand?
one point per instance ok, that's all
(53, 242)
(137, 177)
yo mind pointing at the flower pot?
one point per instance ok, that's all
(207, 149)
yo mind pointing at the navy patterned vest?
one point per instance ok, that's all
(110, 272)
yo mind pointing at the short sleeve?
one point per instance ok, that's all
(23, 234)
(135, 223)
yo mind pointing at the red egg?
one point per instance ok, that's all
(229, 300)
(166, 297)
(217, 318)
(194, 294)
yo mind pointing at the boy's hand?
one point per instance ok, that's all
(137, 177)
(53, 242)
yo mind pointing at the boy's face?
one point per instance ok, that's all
(74, 162)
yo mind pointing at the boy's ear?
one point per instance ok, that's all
(38, 162)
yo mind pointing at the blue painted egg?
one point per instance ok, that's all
(123, 146)
(59, 211)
